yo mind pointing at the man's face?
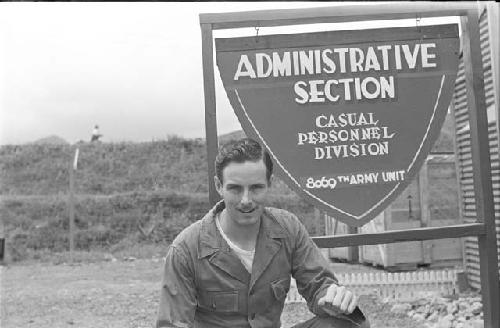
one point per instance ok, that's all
(244, 190)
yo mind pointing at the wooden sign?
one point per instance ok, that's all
(348, 116)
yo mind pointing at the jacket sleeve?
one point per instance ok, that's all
(313, 276)
(309, 268)
(178, 294)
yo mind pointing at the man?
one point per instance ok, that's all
(95, 134)
(233, 267)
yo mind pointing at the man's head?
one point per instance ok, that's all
(243, 177)
(240, 151)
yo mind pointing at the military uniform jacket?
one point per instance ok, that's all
(205, 284)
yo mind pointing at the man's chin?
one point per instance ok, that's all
(249, 218)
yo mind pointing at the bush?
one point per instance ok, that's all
(102, 223)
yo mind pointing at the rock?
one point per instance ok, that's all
(424, 309)
(476, 308)
(475, 323)
(452, 308)
(418, 317)
(449, 317)
(463, 305)
(109, 257)
(425, 296)
(433, 317)
(401, 308)
(444, 323)
(441, 308)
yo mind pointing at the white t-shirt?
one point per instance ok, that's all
(246, 257)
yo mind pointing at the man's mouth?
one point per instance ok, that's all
(246, 211)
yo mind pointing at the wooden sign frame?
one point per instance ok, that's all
(484, 229)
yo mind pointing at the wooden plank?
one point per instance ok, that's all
(474, 77)
(457, 168)
(423, 188)
(334, 14)
(210, 108)
(396, 236)
(343, 37)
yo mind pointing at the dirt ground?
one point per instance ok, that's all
(120, 294)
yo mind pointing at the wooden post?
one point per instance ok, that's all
(72, 169)
(353, 251)
(425, 216)
(483, 190)
(71, 211)
(210, 108)
(2, 242)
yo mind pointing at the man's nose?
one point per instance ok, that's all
(245, 198)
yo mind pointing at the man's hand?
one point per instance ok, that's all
(338, 299)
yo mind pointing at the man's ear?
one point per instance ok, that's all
(218, 185)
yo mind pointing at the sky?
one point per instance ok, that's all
(135, 69)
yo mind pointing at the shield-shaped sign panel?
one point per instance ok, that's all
(347, 116)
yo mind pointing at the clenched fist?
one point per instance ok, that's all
(338, 299)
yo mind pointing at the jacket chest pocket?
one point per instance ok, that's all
(219, 301)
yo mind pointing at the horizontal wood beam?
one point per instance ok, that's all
(396, 236)
(335, 14)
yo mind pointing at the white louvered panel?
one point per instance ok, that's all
(464, 149)
(470, 207)
(468, 189)
(471, 251)
(468, 183)
(488, 78)
(464, 158)
(463, 138)
(463, 153)
(460, 103)
(468, 168)
(462, 120)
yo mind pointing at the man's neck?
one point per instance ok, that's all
(243, 236)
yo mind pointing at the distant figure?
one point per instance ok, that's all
(95, 134)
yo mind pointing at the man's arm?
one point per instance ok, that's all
(178, 292)
(317, 283)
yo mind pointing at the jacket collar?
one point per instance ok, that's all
(210, 240)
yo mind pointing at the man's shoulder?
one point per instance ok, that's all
(189, 236)
(281, 214)
(286, 219)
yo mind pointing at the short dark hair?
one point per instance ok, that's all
(240, 151)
